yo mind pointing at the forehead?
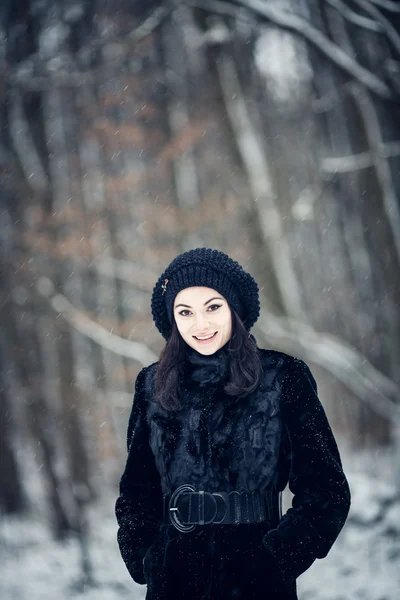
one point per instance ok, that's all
(196, 294)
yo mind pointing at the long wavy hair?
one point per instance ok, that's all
(244, 362)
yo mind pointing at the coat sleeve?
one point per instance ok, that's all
(321, 500)
(138, 508)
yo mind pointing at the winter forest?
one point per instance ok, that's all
(133, 131)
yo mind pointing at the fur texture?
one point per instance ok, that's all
(278, 434)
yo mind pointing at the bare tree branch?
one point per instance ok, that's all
(382, 168)
(344, 362)
(391, 33)
(354, 17)
(310, 33)
(176, 52)
(126, 270)
(36, 74)
(260, 182)
(24, 146)
(149, 24)
(388, 5)
(77, 319)
(363, 160)
(348, 365)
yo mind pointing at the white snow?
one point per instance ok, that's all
(282, 60)
(363, 564)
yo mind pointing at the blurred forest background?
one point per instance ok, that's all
(131, 131)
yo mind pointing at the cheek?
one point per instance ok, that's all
(226, 322)
(183, 327)
(179, 326)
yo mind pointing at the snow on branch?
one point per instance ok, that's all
(125, 270)
(35, 74)
(24, 145)
(313, 35)
(374, 12)
(260, 181)
(362, 160)
(383, 171)
(149, 24)
(77, 319)
(389, 5)
(354, 17)
(335, 356)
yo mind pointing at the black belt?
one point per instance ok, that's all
(185, 507)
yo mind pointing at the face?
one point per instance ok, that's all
(200, 312)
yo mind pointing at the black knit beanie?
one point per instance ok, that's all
(207, 268)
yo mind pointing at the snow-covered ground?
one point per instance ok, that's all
(364, 563)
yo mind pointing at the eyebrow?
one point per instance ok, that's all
(187, 306)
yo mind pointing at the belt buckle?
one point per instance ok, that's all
(173, 509)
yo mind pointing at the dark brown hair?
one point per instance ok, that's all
(245, 365)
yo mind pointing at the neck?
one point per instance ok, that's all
(207, 369)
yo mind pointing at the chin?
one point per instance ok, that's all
(206, 349)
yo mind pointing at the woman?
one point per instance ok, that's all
(217, 430)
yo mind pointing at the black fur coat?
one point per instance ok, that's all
(278, 434)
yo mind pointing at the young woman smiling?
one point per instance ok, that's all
(218, 428)
(203, 319)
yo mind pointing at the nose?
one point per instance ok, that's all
(201, 322)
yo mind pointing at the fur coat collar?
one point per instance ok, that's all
(207, 370)
(216, 441)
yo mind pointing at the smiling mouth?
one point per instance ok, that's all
(205, 338)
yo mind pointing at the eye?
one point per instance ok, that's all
(211, 306)
(217, 305)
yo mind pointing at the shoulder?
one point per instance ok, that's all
(146, 373)
(144, 385)
(149, 375)
(289, 370)
(276, 359)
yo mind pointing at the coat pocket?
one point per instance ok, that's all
(245, 567)
(285, 588)
(265, 574)
(147, 563)
(153, 560)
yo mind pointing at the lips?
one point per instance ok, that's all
(205, 339)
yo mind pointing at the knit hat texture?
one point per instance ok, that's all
(209, 268)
